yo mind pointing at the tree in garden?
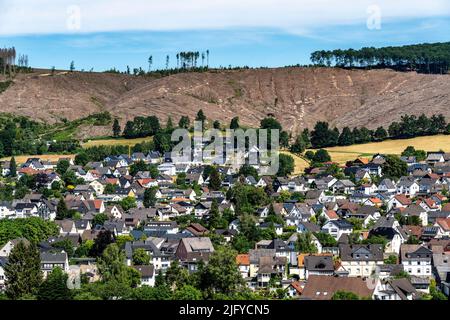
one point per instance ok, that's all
(176, 275)
(110, 188)
(99, 219)
(215, 181)
(140, 257)
(112, 267)
(61, 210)
(23, 271)
(128, 203)
(221, 273)
(81, 159)
(62, 166)
(273, 217)
(216, 124)
(286, 165)
(137, 167)
(116, 128)
(150, 197)
(305, 243)
(55, 286)
(13, 167)
(215, 219)
(101, 242)
(394, 167)
(247, 170)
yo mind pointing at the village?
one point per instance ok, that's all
(334, 232)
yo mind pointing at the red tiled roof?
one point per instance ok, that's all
(332, 214)
(98, 203)
(243, 259)
(444, 223)
(403, 199)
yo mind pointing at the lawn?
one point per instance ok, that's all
(115, 142)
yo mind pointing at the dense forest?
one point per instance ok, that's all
(423, 58)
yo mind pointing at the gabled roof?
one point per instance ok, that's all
(404, 200)
(444, 223)
(324, 287)
(361, 252)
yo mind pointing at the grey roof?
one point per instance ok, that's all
(415, 252)
(319, 263)
(341, 224)
(361, 252)
(145, 271)
(256, 254)
(388, 183)
(53, 257)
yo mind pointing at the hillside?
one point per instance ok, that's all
(298, 97)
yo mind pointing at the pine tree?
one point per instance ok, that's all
(184, 122)
(61, 210)
(234, 123)
(150, 197)
(215, 182)
(200, 116)
(116, 128)
(13, 167)
(23, 271)
(214, 215)
(169, 125)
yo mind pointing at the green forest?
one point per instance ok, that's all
(428, 58)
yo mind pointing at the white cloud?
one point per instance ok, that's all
(297, 16)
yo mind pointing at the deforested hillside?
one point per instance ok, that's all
(298, 97)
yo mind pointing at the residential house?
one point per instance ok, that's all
(336, 228)
(191, 251)
(51, 260)
(416, 260)
(147, 274)
(360, 260)
(324, 287)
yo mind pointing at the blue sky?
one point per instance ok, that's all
(273, 34)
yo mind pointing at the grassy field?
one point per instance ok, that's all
(300, 164)
(432, 143)
(115, 142)
(49, 157)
